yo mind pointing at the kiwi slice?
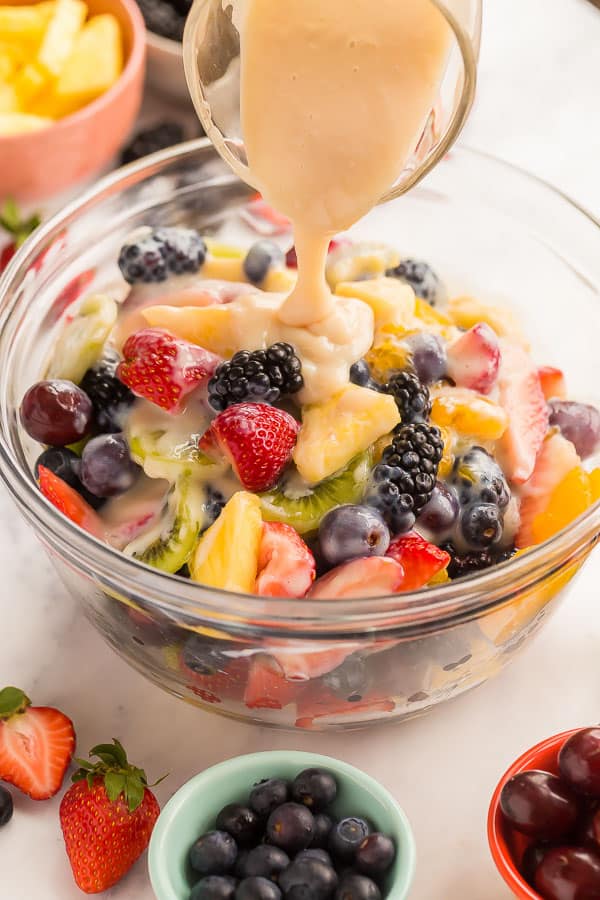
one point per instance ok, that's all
(303, 506)
(170, 544)
(82, 341)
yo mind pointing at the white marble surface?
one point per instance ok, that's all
(537, 107)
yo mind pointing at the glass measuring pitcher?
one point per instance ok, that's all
(213, 65)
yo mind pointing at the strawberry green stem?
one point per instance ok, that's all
(19, 229)
(119, 776)
(13, 701)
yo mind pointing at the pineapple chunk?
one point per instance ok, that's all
(208, 326)
(64, 26)
(468, 413)
(227, 555)
(29, 82)
(392, 301)
(9, 102)
(93, 66)
(8, 67)
(224, 268)
(25, 26)
(334, 432)
(18, 123)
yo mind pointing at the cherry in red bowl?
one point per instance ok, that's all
(544, 819)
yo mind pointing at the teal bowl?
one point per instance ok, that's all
(193, 809)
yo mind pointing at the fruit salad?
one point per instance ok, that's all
(182, 425)
(55, 58)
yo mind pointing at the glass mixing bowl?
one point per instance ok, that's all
(488, 229)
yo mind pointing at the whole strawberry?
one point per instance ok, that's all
(36, 745)
(106, 817)
(163, 368)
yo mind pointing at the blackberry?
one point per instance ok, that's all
(160, 252)
(421, 277)
(260, 376)
(403, 482)
(411, 396)
(151, 140)
(462, 564)
(110, 397)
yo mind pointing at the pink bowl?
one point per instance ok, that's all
(40, 163)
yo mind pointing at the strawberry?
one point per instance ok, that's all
(107, 817)
(264, 219)
(36, 745)
(256, 438)
(300, 661)
(370, 577)
(71, 292)
(222, 684)
(163, 368)
(554, 385)
(317, 702)
(522, 398)
(69, 502)
(555, 460)
(266, 687)
(474, 359)
(419, 559)
(10, 221)
(286, 567)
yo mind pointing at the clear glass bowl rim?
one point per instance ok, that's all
(411, 612)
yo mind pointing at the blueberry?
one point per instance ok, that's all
(315, 853)
(291, 827)
(421, 277)
(346, 837)
(349, 531)
(375, 855)
(240, 822)
(350, 680)
(316, 788)
(213, 853)
(360, 373)
(323, 826)
(428, 356)
(62, 462)
(264, 860)
(261, 256)
(267, 795)
(579, 423)
(257, 888)
(357, 887)
(214, 887)
(482, 525)
(205, 656)
(6, 806)
(106, 468)
(477, 476)
(308, 879)
(214, 503)
(440, 513)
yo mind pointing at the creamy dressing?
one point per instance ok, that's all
(334, 98)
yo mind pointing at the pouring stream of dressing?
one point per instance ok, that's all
(334, 98)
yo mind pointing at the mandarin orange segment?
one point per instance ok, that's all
(569, 499)
(468, 413)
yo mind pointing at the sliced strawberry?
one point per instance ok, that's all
(286, 567)
(554, 385)
(317, 707)
(419, 559)
(6, 254)
(264, 219)
(69, 502)
(72, 292)
(164, 369)
(300, 662)
(266, 687)
(226, 684)
(522, 398)
(556, 459)
(372, 577)
(36, 745)
(256, 438)
(474, 359)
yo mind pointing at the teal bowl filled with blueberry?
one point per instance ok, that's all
(282, 825)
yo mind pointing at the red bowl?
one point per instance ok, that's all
(508, 846)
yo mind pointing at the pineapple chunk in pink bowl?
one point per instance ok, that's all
(38, 164)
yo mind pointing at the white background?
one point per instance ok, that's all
(538, 107)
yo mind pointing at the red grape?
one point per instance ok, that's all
(569, 873)
(588, 829)
(539, 804)
(579, 761)
(531, 860)
(56, 413)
